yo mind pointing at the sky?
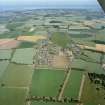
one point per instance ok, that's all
(50, 3)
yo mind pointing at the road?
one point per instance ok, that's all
(64, 85)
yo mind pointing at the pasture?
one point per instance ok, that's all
(80, 35)
(3, 66)
(83, 42)
(17, 75)
(90, 96)
(73, 86)
(95, 57)
(94, 67)
(46, 82)
(26, 44)
(51, 103)
(23, 56)
(78, 64)
(12, 96)
(5, 54)
(60, 38)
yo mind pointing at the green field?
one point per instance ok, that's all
(73, 86)
(79, 64)
(80, 35)
(101, 35)
(51, 103)
(94, 67)
(23, 56)
(17, 76)
(5, 54)
(46, 82)
(90, 96)
(12, 96)
(26, 45)
(60, 38)
(95, 57)
(84, 41)
(3, 66)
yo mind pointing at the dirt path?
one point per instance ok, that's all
(81, 87)
(64, 85)
(28, 102)
(28, 90)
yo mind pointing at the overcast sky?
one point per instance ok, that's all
(50, 2)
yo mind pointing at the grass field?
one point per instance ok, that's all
(101, 35)
(26, 45)
(46, 82)
(91, 96)
(23, 56)
(84, 41)
(60, 39)
(73, 86)
(95, 57)
(80, 35)
(12, 96)
(79, 64)
(3, 66)
(51, 103)
(94, 67)
(5, 54)
(17, 76)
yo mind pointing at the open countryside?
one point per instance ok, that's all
(52, 57)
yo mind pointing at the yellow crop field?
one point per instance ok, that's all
(31, 38)
(100, 47)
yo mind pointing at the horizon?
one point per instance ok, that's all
(49, 4)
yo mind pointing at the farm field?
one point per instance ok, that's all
(90, 95)
(10, 34)
(79, 64)
(9, 43)
(73, 86)
(23, 56)
(5, 40)
(12, 96)
(80, 35)
(100, 36)
(84, 41)
(51, 103)
(17, 76)
(95, 57)
(59, 37)
(94, 67)
(5, 54)
(46, 82)
(46, 54)
(3, 66)
(26, 45)
(100, 47)
(31, 38)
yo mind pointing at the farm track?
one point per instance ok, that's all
(81, 87)
(28, 91)
(64, 85)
